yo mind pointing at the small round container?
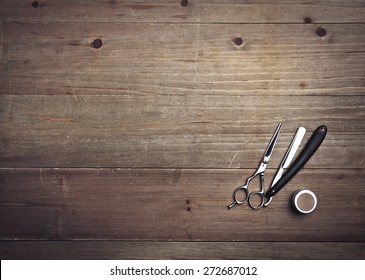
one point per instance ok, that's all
(304, 201)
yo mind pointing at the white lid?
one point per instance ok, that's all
(310, 202)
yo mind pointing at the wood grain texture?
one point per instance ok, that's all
(171, 11)
(174, 59)
(190, 204)
(180, 131)
(105, 151)
(96, 250)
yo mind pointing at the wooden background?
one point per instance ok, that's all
(126, 126)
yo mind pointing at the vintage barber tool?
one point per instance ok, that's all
(289, 155)
(310, 148)
(259, 171)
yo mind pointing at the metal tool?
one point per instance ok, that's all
(259, 171)
(310, 148)
(289, 155)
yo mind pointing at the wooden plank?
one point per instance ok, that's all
(173, 204)
(201, 11)
(173, 59)
(91, 250)
(171, 88)
(179, 131)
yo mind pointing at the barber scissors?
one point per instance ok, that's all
(259, 172)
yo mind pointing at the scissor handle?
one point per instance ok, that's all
(236, 199)
(262, 199)
(260, 193)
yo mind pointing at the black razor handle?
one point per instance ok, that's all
(310, 148)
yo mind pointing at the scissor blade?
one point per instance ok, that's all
(272, 143)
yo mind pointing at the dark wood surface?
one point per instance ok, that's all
(181, 250)
(172, 204)
(132, 150)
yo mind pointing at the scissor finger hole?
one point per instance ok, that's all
(256, 200)
(241, 195)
